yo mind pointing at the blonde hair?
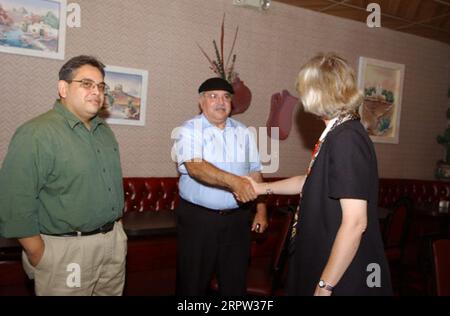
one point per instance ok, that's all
(327, 87)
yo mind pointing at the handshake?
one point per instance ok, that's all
(245, 189)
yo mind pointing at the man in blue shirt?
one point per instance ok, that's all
(214, 152)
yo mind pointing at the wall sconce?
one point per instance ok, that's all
(259, 4)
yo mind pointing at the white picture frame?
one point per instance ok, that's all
(126, 101)
(382, 85)
(33, 27)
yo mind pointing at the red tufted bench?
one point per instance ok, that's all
(161, 194)
(420, 191)
(424, 194)
(156, 253)
(150, 224)
(157, 194)
(149, 221)
(409, 270)
(150, 194)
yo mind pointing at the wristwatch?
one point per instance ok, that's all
(326, 286)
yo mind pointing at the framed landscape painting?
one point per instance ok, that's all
(33, 27)
(382, 84)
(126, 100)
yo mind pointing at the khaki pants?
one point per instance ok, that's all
(86, 265)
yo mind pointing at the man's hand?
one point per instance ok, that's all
(243, 190)
(260, 223)
(258, 187)
(35, 258)
(34, 248)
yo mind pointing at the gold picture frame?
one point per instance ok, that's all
(382, 84)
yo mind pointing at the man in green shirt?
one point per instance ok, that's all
(61, 191)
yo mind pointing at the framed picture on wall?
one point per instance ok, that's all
(126, 100)
(33, 27)
(382, 83)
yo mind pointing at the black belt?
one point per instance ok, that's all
(228, 211)
(102, 229)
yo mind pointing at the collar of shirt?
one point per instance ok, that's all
(327, 129)
(206, 123)
(71, 119)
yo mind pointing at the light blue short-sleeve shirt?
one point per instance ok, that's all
(232, 149)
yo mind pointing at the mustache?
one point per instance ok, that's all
(220, 107)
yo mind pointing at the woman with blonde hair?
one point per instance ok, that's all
(337, 242)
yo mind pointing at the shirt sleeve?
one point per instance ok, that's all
(22, 176)
(349, 166)
(188, 145)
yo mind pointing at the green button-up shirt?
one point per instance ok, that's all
(60, 177)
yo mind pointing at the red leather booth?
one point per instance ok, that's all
(150, 225)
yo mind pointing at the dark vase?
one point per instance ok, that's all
(242, 97)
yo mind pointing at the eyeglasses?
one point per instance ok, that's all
(215, 97)
(89, 84)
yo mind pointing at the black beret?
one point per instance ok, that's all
(215, 84)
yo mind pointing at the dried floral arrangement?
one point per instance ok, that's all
(222, 69)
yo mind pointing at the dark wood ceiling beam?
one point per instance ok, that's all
(331, 6)
(443, 24)
(393, 16)
(443, 2)
(423, 23)
(413, 9)
(424, 17)
(393, 7)
(364, 9)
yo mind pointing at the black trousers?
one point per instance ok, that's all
(209, 243)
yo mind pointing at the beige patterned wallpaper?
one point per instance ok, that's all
(160, 36)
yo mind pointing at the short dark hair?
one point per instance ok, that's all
(66, 72)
